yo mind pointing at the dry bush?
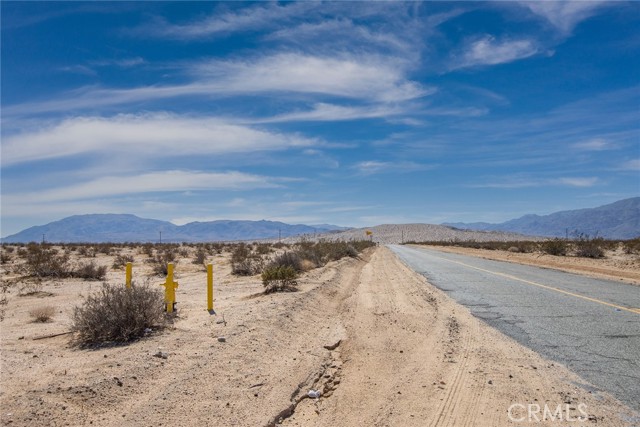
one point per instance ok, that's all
(631, 246)
(43, 261)
(589, 248)
(87, 251)
(90, 271)
(200, 256)
(279, 279)
(244, 262)
(118, 313)
(162, 259)
(287, 259)
(183, 252)
(556, 247)
(43, 314)
(121, 260)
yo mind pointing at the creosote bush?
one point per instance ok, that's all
(121, 260)
(279, 278)
(90, 271)
(556, 247)
(118, 313)
(44, 261)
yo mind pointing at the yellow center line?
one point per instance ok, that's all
(540, 285)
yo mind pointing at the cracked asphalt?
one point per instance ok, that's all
(586, 324)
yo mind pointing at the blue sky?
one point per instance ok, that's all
(344, 112)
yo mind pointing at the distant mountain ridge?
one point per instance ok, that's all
(101, 228)
(618, 220)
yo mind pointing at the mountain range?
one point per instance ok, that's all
(100, 228)
(618, 220)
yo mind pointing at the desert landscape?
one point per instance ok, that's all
(363, 341)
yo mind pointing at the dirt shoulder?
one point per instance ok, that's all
(381, 345)
(615, 266)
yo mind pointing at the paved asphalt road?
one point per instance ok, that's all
(591, 326)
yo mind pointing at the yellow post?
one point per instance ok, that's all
(169, 289)
(128, 275)
(210, 287)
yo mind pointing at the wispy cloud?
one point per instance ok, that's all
(163, 181)
(370, 78)
(597, 144)
(510, 182)
(489, 51)
(564, 15)
(371, 167)
(344, 76)
(249, 18)
(148, 136)
(632, 165)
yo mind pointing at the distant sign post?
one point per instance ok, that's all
(370, 234)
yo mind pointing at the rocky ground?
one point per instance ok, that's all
(376, 343)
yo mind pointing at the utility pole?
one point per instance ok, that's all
(43, 238)
(161, 237)
(279, 234)
(403, 236)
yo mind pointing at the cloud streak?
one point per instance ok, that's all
(489, 51)
(150, 135)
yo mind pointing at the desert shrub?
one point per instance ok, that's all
(121, 260)
(183, 252)
(279, 279)
(105, 248)
(42, 314)
(8, 249)
(631, 246)
(4, 257)
(263, 248)
(555, 247)
(87, 251)
(43, 261)
(118, 313)
(589, 248)
(244, 262)
(287, 259)
(201, 256)
(161, 260)
(90, 270)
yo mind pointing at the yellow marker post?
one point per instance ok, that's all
(169, 289)
(210, 287)
(128, 275)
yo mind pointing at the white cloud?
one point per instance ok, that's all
(332, 112)
(489, 51)
(633, 165)
(523, 182)
(368, 77)
(564, 15)
(371, 167)
(244, 19)
(597, 144)
(163, 181)
(578, 182)
(152, 135)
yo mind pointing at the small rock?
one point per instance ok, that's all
(222, 339)
(490, 382)
(162, 355)
(314, 394)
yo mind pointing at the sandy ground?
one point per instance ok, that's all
(383, 347)
(616, 265)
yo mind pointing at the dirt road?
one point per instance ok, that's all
(383, 347)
